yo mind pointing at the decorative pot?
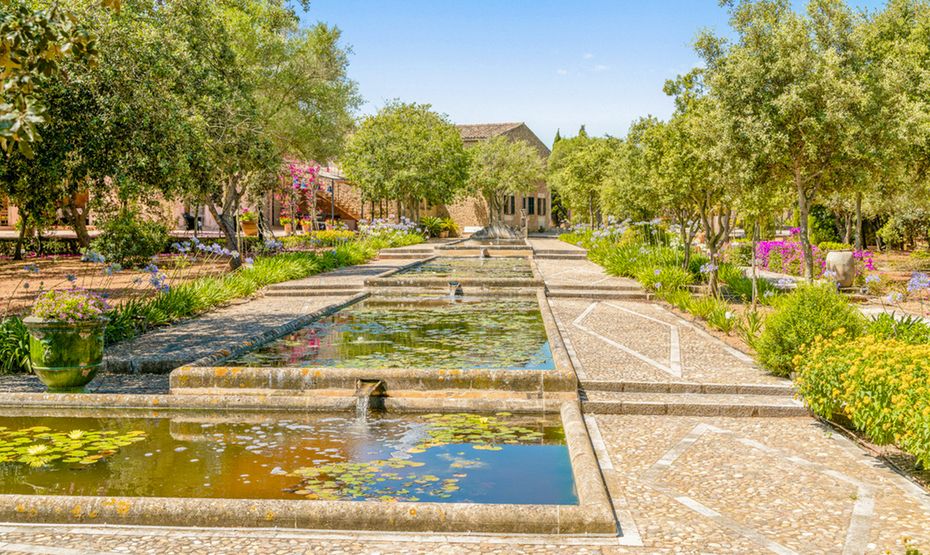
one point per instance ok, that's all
(65, 355)
(306, 226)
(443, 234)
(288, 229)
(843, 263)
(250, 229)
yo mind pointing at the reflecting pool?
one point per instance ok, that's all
(440, 457)
(435, 332)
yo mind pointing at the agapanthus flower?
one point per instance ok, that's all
(919, 281)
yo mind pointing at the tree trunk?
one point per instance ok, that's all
(803, 211)
(76, 218)
(21, 240)
(847, 228)
(227, 220)
(859, 239)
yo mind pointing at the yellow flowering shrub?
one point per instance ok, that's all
(881, 385)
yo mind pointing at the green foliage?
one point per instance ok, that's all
(880, 385)
(449, 225)
(739, 253)
(715, 311)
(431, 225)
(740, 286)
(409, 153)
(663, 278)
(680, 298)
(500, 167)
(820, 226)
(905, 328)
(750, 326)
(827, 246)
(14, 346)
(578, 169)
(130, 239)
(809, 312)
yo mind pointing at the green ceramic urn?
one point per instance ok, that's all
(65, 355)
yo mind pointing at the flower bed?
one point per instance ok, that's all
(787, 257)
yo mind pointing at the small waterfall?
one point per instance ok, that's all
(364, 391)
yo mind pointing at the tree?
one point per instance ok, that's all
(788, 91)
(33, 44)
(500, 167)
(407, 153)
(259, 87)
(578, 170)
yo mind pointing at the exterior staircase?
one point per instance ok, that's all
(560, 254)
(597, 292)
(690, 399)
(322, 289)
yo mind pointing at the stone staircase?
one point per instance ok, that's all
(597, 292)
(560, 254)
(405, 254)
(318, 289)
(690, 399)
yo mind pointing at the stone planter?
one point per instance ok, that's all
(306, 227)
(288, 229)
(844, 265)
(65, 356)
(250, 229)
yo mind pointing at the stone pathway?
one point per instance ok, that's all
(679, 483)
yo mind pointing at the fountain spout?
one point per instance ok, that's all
(369, 394)
(484, 253)
(455, 290)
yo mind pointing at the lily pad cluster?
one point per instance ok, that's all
(396, 479)
(39, 446)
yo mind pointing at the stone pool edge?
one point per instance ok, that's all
(592, 515)
(206, 377)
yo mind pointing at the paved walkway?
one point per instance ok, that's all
(680, 484)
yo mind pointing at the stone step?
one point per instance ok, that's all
(786, 389)
(560, 251)
(619, 295)
(311, 292)
(560, 256)
(630, 286)
(404, 255)
(692, 404)
(320, 285)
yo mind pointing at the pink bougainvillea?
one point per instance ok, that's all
(787, 257)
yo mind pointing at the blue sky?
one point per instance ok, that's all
(553, 64)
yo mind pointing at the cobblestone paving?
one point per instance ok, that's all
(152, 384)
(577, 273)
(640, 341)
(756, 485)
(552, 243)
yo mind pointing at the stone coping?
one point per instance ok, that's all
(392, 279)
(592, 515)
(209, 376)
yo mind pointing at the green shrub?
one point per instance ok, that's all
(14, 346)
(449, 225)
(907, 329)
(431, 225)
(809, 312)
(663, 278)
(716, 312)
(749, 327)
(881, 386)
(739, 253)
(130, 239)
(827, 246)
(739, 286)
(680, 299)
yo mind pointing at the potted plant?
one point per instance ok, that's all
(66, 338)
(249, 222)
(449, 229)
(288, 224)
(306, 224)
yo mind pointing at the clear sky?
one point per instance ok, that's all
(554, 64)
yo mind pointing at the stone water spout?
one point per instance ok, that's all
(368, 395)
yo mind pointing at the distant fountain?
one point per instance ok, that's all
(455, 290)
(498, 234)
(366, 392)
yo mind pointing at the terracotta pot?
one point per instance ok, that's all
(306, 226)
(844, 265)
(288, 228)
(250, 229)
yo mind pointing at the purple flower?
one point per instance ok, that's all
(919, 281)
